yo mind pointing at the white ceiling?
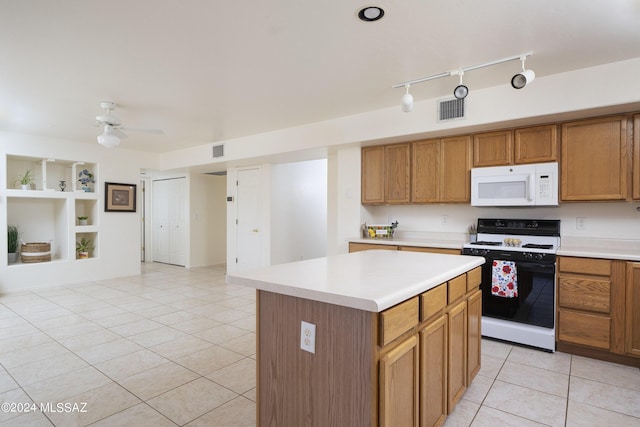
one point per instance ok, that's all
(206, 70)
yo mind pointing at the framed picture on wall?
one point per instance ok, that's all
(119, 197)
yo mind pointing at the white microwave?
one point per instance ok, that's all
(519, 185)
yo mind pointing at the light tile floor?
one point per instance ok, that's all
(177, 347)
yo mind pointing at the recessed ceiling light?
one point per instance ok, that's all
(370, 13)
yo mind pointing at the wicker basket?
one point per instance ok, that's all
(35, 252)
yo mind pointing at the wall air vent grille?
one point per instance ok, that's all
(451, 109)
(218, 151)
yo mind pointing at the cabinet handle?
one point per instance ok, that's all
(255, 230)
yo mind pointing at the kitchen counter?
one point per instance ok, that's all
(600, 248)
(409, 241)
(368, 280)
(338, 338)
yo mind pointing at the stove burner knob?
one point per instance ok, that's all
(539, 256)
(527, 255)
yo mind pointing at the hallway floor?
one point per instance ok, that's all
(177, 347)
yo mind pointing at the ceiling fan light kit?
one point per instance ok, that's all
(518, 81)
(113, 126)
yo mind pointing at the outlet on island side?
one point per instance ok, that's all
(308, 337)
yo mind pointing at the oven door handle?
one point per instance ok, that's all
(539, 267)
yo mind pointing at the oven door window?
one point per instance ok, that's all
(535, 303)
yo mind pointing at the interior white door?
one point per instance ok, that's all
(169, 221)
(248, 233)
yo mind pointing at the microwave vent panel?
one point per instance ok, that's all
(451, 109)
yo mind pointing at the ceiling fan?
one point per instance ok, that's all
(113, 128)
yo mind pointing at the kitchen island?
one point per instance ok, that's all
(392, 338)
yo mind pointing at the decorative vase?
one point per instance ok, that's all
(83, 255)
(86, 189)
(26, 186)
(62, 185)
(83, 221)
(12, 257)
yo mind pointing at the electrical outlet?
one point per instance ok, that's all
(308, 337)
(581, 223)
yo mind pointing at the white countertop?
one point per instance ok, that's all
(368, 280)
(600, 248)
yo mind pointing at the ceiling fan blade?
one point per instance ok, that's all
(154, 131)
(117, 132)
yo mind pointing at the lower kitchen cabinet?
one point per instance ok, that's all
(597, 310)
(632, 344)
(433, 372)
(474, 334)
(399, 385)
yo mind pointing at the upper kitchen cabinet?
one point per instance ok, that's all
(595, 157)
(386, 174)
(537, 144)
(440, 170)
(397, 165)
(636, 157)
(493, 149)
(372, 175)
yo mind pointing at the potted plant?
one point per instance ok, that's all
(85, 178)
(83, 247)
(12, 243)
(83, 220)
(26, 180)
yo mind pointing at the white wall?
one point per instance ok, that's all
(615, 220)
(119, 232)
(298, 211)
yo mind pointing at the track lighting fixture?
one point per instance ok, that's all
(523, 78)
(518, 81)
(108, 139)
(407, 101)
(461, 91)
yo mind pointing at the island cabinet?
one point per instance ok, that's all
(596, 313)
(440, 170)
(390, 349)
(595, 160)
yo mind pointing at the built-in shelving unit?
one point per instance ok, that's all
(46, 213)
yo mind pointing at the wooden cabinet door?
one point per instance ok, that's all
(397, 170)
(357, 247)
(493, 149)
(536, 144)
(455, 170)
(457, 353)
(474, 334)
(398, 403)
(632, 327)
(636, 157)
(433, 373)
(372, 175)
(594, 159)
(425, 171)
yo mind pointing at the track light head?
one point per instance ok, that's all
(522, 79)
(461, 91)
(407, 101)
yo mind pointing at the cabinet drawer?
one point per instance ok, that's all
(474, 277)
(432, 301)
(457, 287)
(585, 294)
(598, 267)
(356, 247)
(397, 320)
(592, 330)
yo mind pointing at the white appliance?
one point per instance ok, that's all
(519, 185)
(528, 316)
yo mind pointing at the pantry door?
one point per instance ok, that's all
(248, 229)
